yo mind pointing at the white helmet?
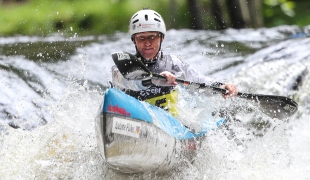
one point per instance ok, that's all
(146, 20)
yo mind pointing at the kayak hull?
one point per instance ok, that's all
(136, 137)
(153, 151)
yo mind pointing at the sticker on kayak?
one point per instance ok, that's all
(126, 127)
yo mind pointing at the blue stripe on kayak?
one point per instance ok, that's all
(115, 101)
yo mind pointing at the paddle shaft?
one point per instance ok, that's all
(193, 84)
(219, 90)
(274, 106)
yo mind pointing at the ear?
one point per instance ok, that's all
(133, 39)
(162, 37)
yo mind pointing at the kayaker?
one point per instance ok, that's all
(147, 30)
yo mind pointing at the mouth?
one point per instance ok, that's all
(148, 49)
(148, 53)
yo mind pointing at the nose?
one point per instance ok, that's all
(147, 42)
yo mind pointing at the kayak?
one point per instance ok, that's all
(137, 137)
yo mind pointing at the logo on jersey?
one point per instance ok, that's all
(122, 56)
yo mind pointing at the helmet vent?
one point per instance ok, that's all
(135, 21)
(157, 15)
(157, 19)
(146, 17)
(135, 16)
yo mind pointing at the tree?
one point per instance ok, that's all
(217, 12)
(195, 15)
(241, 13)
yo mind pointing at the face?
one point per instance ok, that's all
(148, 44)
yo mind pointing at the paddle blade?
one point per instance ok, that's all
(130, 66)
(274, 106)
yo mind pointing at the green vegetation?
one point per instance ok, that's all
(44, 17)
(295, 14)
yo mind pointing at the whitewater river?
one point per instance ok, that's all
(51, 89)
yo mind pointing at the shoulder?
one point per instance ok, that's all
(114, 68)
(115, 71)
(174, 59)
(175, 63)
(171, 57)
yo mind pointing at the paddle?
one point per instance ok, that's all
(274, 106)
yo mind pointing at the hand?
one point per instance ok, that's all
(232, 90)
(170, 78)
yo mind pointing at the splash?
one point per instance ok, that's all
(63, 148)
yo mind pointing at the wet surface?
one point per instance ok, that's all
(51, 89)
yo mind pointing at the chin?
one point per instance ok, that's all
(148, 57)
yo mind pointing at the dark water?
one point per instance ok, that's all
(51, 89)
